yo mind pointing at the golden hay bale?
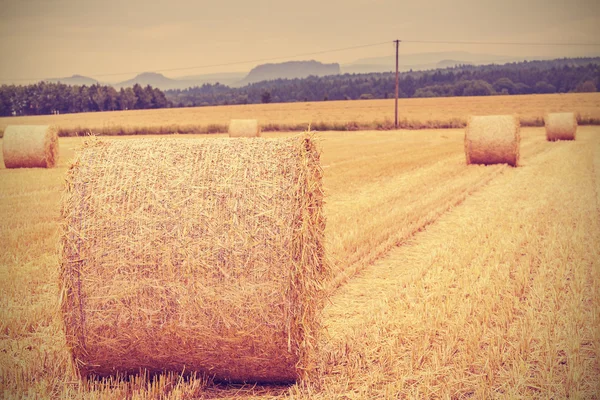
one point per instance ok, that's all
(492, 139)
(560, 126)
(244, 128)
(30, 146)
(194, 255)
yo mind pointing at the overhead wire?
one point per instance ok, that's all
(227, 64)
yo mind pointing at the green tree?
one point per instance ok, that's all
(504, 84)
(478, 88)
(158, 99)
(144, 97)
(98, 96)
(424, 92)
(111, 98)
(5, 103)
(544, 87)
(127, 99)
(265, 97)
(407, 86)
(586, 87)
(521, 88)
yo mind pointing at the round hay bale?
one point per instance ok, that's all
(195, 255)
(30, 146)
(492, 139)
(560, 126)
(244, 128)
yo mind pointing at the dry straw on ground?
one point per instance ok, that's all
(560, 126)
(244, 128)
(492, 139)
(200, 255)
(30, 146)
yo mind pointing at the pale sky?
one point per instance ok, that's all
(58, 38)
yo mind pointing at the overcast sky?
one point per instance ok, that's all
(58, 38)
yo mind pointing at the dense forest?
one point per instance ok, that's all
(556, 76)
(58, 98)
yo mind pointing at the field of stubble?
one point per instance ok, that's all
(452, 281)
(417, 113)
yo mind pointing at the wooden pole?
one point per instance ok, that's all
(397, 86)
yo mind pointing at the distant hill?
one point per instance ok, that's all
(224, 78)
(290, 70)
(151, 78)
(303, 69)
(450, 64)
(163, 83)
(78, 80)
(424, 61)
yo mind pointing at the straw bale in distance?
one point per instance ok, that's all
(30, 146)
(492, 139)
(200, 255)
(560, 126)
(244, 128)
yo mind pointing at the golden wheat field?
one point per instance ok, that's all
(450, 280)
(413, 113)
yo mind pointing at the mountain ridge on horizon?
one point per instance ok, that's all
(300, 69)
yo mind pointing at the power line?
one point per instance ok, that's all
(501, 43)
(574, 44)
(225, 64)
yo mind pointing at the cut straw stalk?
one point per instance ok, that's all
(203, 255)
(492, 139)
(30, 146)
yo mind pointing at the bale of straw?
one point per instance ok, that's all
(30, 146)
(560, 126)
(200, 255)
(244, 128)
(492, 139)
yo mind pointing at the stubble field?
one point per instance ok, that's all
(451, 281)
(326, 115)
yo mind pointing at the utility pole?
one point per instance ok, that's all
(397, 85)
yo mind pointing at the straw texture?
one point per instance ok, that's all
(30, 146)
(560, 126)
(244, 128)
(492, 139)
(200, 255)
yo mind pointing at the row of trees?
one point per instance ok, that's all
(52, 98)
(558, 76)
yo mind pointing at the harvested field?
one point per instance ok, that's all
(450, 280)
(415, 113)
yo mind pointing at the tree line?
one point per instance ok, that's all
(52, 98)
(556, 76)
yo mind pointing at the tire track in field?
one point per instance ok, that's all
(415, 199)
(474, 306)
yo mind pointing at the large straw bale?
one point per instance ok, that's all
(200, 255)
(30, 146)
(244, 128)
(560, 126)
(492, 139)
